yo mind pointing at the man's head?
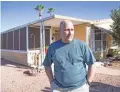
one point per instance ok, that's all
(66, 31)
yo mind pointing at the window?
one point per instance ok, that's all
(100, 40)
(2, 41)
(97, 45)
(16, 40)
(34, 38)
(97, 31)
(98, 36)
(97, 39)
(10, 40)
(5, 41)
(23, 38)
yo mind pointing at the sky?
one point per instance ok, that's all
(16, 13)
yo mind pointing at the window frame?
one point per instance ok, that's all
(102, 40)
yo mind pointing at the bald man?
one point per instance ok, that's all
(70, 57)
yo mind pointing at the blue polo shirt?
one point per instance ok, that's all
(69, 62)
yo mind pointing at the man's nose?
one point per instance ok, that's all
(70, 32)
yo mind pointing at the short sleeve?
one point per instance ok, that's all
(88, 56)
(48, 61)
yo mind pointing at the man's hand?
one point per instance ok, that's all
(91, 73)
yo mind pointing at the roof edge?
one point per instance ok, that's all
(27, 24)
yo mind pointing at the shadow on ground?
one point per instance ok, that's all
(101, 87)
(95, 87)
(12, 64)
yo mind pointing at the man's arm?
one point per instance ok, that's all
(91, 73)
(49, 73)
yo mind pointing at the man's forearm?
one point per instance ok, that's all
(49, 73)
(91, 73)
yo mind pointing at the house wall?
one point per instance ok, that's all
(15, 56)
(109, 38)
(80, 32)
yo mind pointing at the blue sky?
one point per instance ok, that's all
(16, 13)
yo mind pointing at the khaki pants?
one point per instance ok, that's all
(55, 88)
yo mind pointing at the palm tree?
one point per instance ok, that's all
(51, 10)
(39, 8)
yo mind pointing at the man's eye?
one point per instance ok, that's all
(65, 29)
(68, 29)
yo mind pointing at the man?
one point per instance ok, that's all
(69, 56)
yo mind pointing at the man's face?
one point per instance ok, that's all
(67, 32)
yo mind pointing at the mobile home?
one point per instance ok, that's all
(27, 44)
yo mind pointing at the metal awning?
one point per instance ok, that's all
(105, 26)
(53, 20)
(104, 29)
(56, 19)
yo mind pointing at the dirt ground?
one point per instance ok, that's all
(15, 79)
(115, 65)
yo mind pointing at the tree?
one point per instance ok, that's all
(51, 10)
(115, 15)
(39, 8)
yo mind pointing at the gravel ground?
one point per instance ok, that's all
(115, 65)
(15, 79)
(105, 83)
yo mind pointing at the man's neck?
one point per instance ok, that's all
(64, 41)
